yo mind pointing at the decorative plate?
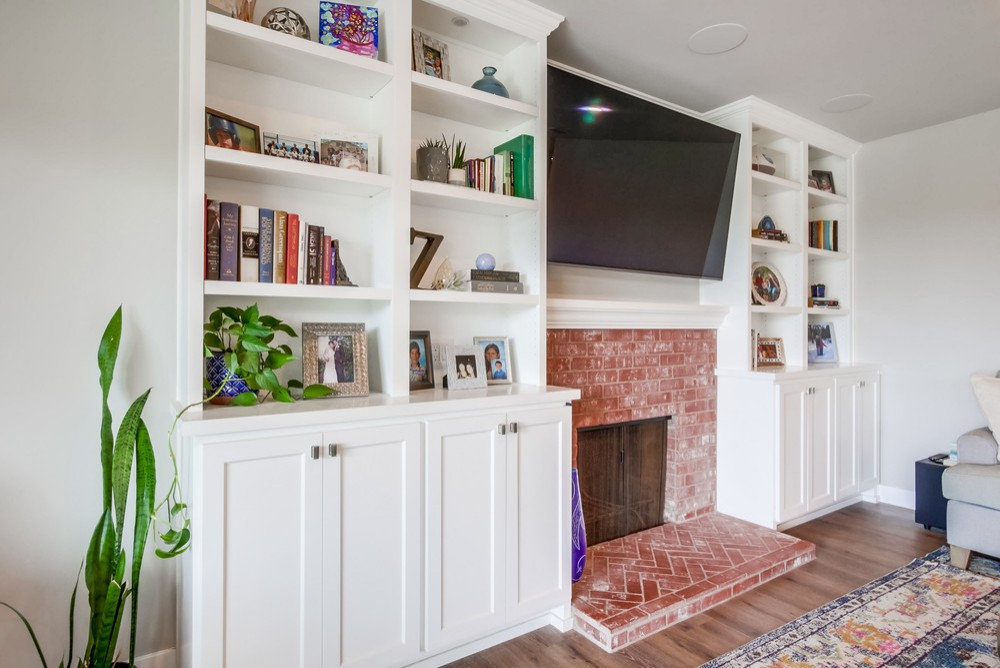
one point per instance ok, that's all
(767, 287)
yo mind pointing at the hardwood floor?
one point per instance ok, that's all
(853, 546)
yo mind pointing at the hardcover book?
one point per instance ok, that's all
(350, 28)
(213, 242)
(494, 275)
(292, 249)
(265, 247)
(314, 254)
(280, 230)
(326, 260)
(229, 241)
(249, 243)
(523, 164)
(508, 287)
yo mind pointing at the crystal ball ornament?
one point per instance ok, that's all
(486, 261)
(286, 20)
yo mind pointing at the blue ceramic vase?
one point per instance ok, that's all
(579, 531)
(215, 373)
(489, 84)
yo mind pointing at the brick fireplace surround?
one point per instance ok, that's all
(639, 584)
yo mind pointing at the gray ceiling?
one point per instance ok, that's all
(924, 61)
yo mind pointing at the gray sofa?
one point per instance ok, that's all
(972, 488)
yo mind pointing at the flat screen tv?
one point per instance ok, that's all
(633, 184)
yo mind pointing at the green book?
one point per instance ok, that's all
(523, 148)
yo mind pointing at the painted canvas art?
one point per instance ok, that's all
(352, 28)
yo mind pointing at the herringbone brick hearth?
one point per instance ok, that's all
(639, 584)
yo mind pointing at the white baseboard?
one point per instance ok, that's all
(894, 496)
(166, 658)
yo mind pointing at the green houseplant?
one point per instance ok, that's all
(104, 566)
(456, 158)
(242, 341)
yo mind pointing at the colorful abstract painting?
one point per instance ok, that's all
(351, 28)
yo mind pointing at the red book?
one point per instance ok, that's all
(292, 249)
(326, 259)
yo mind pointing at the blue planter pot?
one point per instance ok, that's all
(579, 549)
(215, 373)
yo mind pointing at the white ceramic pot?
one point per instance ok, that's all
(456, 176)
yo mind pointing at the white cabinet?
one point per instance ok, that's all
(293, 571)
(801, 443)
(806, 447)
(857, 433)
(497, 513)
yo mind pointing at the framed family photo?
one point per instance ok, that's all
(430, 56)
(770, 351)
(335, 355)
(421, 361)
(495, 351)
(822, 343)
(227, 131)
(350, 150)
(466, 368)
(824, 180)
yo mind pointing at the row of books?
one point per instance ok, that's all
(494, 280)
(773, 235)
(824, 302)
(260, 245)
(823, 234)
(509, 171)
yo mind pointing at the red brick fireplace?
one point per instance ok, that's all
(633, 374)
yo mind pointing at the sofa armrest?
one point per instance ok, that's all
(978, 446)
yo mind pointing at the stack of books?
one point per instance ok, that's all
(773, 235)
(492, 280)
(824, 302)
(259, 245)
(823, 235)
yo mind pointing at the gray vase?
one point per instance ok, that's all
(432, 164)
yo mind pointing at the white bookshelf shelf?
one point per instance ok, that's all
(468, 200)
(464, 104)
(286, 291)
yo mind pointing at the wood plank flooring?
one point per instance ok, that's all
(853, 546)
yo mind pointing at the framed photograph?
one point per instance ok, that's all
(293, 148)
(824, 180)
(227, 131)
(822, 343)
(767, 287)
(430, 56)
(770, 351)
(421, 361)
(336, 355)
(466, 367)
(350, 150)
(350, 28)
(495, 351)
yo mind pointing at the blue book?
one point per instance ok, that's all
(266, 238)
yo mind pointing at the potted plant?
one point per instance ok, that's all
(456, 158)
(432, 160)
(241, 358)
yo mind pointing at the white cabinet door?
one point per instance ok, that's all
(869, 428)
(465, 524)
(261, 553)
(793, 493)
(820, 460)
(848, 432)
(539, 448)
(371, 546)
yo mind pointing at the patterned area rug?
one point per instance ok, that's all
(924, 614)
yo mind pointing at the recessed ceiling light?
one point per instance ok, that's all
(459, 21)
(846, 102)
(718, 38)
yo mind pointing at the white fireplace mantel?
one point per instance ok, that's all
(566, 313)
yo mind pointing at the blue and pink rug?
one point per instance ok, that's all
(926, 614)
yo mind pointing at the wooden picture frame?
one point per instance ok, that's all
(336, 355)
(824, 181)
(770, 351)
(421, 364)
(821, 345)
(495, 351)
(430, 56)
(227, 131)
(466, 368)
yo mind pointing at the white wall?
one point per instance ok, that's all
(928, 281)
(88, 124)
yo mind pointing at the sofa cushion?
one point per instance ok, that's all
(987, 389)
(972, 483)
(977, 447)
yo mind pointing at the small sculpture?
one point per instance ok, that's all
(446, 278)
(286, 20)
